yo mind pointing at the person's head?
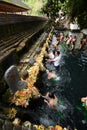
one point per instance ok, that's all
(51, 95)
(67, 36)
(84, 36)
(57, 53)
(50, 51)
(70, 36)
(58, 35)
(61, 33)
(75, 36)
(25, 74)
(54, 45)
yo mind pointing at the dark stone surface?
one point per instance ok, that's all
(31, 61)
(7, 126)
(1, 123)
(13, 80)
(17, 127)
(25, 128)
(38, 50)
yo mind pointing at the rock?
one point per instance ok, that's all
(13, 80)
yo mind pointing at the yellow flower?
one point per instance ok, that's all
(58, 127)
(12, 113)
(41, 127)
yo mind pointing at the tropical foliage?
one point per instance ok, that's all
(52, 7)
(76, 9)
(36, 6)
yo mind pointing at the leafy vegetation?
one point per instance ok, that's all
(36, 6)
(75, 9)
(52, 7)
(78, 9)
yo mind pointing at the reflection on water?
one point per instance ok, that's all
(76, 63)
(45, 119)
(70, 87)
(61, 114)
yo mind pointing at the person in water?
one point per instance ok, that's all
(84, 101)
(83, 41)
(69, 40)
(56, 60)
(54, 103)
(74, 39)
(51, 100)
(51, 76)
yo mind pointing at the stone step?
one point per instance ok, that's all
(12, 40)
(4, 55)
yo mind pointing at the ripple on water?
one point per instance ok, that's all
(72, 83)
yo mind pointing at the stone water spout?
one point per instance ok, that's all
(13, 79)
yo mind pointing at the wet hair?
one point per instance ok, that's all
(51, 95)
(58, 35)
(75, 36)
(70, 35)
(58, 52)
(66, 35)
(84, 36)
(50, 70)
(25, 74)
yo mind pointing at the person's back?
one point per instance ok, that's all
(58, 38)
(73, 42)
(69, 40)
(83, 41)
(51, 55)
(61, 37)
(54, 103)
(52, 76)
(57, 59)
